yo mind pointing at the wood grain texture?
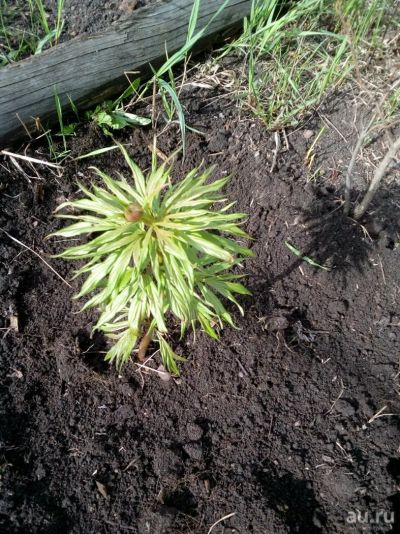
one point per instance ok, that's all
(89, 69)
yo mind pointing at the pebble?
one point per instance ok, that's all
(345, 408)
(128, 6)
(374, 227)
(163, 373)
(194, 451)
(194, 432)
(274, 324)
(307, 134)
(316, 520)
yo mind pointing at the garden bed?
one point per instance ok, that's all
(290, 423)
(286, 425)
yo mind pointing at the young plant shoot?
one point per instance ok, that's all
(157, 251)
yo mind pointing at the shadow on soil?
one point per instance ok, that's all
(324, 225)
(292, 499)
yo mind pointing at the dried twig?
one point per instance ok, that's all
(380, 413)
(276, 151)
(337, 398)
(348, 178)
(29, 159)
(363, 135)
(38, 255)
(220, 521)
(376, 180)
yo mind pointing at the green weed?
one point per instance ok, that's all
(307, 259)
(25, 29)
(296, 53)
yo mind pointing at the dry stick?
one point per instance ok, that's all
(38, 255)
(348, 179)
(380, 413)
(220, 521)
(29, 159)
(363, 134)
(376, 180)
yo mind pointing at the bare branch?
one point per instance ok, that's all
(376, 180)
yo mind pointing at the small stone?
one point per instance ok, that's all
(13, 322)
(345, 408)
(194, 451)
(194, 432)
(163, 373)
(165, 462)
(307, 134)
(128, 6)
(374, 227)
(40, 472)
(273, 324)
(317, 520)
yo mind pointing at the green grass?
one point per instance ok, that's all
(294, 250)
(25, 29)
(114, 115)
(295, 57)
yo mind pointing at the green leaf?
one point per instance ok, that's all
(165, 86)
(130, 90)
(169, 357)
(204, 317)
(80, 228)
(98, 272)
(121, 351)
(97, 152)
(113, 186)
(124, 118)
(214, 301)
(48, 38)
(156, 181)
(136, 172)
(156, 304)
(114, 307)
(206, 246)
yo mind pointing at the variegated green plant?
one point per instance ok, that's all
(159, 251)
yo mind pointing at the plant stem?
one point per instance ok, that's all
(348, 179)
(363, 135)
(376, 180)
(144, 345)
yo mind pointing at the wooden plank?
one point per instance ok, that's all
(91, 68)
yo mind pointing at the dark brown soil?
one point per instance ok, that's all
(80, 17)
(93, 16)
(273, 424)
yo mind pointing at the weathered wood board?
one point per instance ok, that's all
(89, 69)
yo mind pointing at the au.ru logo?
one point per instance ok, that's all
(370, 518)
